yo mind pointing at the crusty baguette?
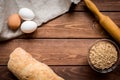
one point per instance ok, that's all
(25, 67)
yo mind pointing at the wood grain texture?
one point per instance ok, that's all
(50, 51)
(74, 25)
(103, 5)
(63, 43)
(70, 73)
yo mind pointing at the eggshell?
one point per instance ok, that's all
(28, 26)
(14, 21)
(26, 14)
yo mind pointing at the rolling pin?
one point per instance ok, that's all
(104, 21)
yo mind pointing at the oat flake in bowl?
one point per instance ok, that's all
(103, 56)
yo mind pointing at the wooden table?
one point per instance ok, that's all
(63, 43)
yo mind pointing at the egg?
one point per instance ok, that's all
(14, 21)
(28, 26)
(26, 14)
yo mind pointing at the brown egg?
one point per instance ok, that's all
(14, 21)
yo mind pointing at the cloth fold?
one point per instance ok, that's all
(44, 10)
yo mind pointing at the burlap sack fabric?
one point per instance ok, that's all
(44, 10)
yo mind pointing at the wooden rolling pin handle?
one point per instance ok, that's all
(92, 7)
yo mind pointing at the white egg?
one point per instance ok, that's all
(26, 14)
(28, 26)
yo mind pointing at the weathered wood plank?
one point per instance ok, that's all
(103, 5)
(50, 51)
(5, 74)
(74, 25)
(70, 73)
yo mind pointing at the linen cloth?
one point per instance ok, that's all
(44, 10)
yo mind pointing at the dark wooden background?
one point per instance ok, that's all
(63, 43)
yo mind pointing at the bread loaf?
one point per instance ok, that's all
(25, 67)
